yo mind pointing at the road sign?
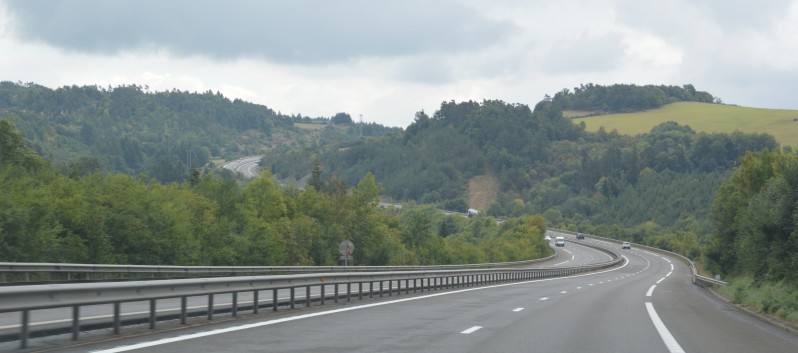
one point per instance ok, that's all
(345, 249)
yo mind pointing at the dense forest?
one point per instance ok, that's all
(166, 135)
(46, 216)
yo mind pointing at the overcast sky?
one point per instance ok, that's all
(389, 59)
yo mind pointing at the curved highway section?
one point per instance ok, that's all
(647, 305)
(248, 166)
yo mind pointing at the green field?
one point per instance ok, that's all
(702, 117)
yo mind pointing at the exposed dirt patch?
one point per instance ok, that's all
(482, 191)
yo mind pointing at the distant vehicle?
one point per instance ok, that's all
(559, 241)
(472, 212)
(548, 238)
(580, 235)
(626, 245)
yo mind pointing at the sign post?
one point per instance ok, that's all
(345, 249)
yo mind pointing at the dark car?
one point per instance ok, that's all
(580, 236)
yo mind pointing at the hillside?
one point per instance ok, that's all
(164, 135)
(539, 162)
(702, 117)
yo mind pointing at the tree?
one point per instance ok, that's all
(341, 118)
(13, 150)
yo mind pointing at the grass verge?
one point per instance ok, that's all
(776, 299)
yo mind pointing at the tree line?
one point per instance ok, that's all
(624, 98)
(47, 216)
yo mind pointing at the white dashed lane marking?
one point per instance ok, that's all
(471, 330)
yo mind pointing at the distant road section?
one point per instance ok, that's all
(247, 166)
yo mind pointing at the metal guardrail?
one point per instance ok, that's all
(24, 299)
(697, 278)
(67, 271)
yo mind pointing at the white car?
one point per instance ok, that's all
(626, 245)
(559, 241)
(548, 238)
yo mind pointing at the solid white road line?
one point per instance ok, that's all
(517, 309)
(651, 290)
(544, 298)
(471, 330)
(670, 342)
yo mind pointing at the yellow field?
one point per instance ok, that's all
(704, 117)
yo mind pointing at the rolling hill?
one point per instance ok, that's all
(702, 117)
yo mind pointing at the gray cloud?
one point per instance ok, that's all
(297, 31)
(685, 19)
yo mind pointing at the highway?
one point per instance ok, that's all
(9, 322)
(247, 166)
(647, 305)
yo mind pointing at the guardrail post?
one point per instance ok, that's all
(75, 322)
(390, 288)
(235, 304)
(381, 286)
(183, 309)
(152, 314)
(360, 290)
(322, 294)
(371, 289)
(23, 336)
(348, 292)
(398, 287)
(292, 298)
(210, 306)
(255, 295)
(117, 314)
(336, 293)
(307, 296)
(274, 300)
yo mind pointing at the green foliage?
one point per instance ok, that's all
(13, 150)
(625, 98)
(91, 217)
(756, 219)
(127, 129)
(779, 299)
